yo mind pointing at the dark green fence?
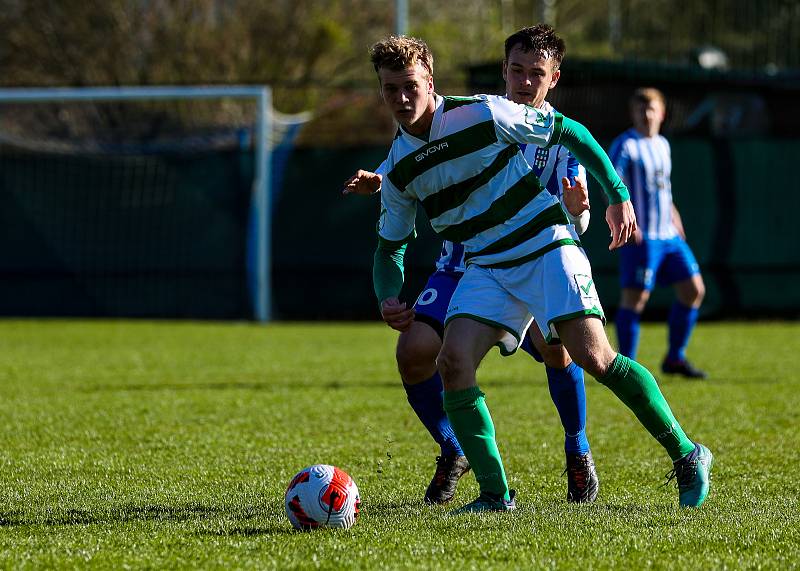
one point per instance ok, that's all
(165, 236)
(737, 208)
(133, 235)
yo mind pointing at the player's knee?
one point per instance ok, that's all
(415, 360)
(593, 364)
(692, 292)
(452, 363)
(699, 291)
(595, 361)
(641, 302)
(555, 356)
(635, 299)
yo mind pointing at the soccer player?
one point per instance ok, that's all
(459, 158)
(658, 253)
(528, 76)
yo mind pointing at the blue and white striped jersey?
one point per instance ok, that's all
(549, 164)
(645, 165)
(452, 258)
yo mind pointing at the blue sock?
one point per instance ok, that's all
(426, 400)
(681, 322)
(569, 396)
(627, 322)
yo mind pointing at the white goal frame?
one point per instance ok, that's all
(261, 192)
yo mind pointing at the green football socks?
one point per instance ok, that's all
(636, 387)
(469, 416)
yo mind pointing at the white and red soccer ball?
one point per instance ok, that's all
(322, 496)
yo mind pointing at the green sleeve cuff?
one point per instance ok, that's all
(558, 128)
(591, 155)
(387, 267)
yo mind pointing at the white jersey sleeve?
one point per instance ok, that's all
(398, 213)
(516, 123)
(381, 170)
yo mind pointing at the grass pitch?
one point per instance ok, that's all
(169, 445)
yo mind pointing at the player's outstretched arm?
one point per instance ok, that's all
(619, 214)
(363, 182)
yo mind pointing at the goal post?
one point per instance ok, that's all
(259, 239)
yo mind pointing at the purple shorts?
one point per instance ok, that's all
(431, 304)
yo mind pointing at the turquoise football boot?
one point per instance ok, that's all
(693, 476)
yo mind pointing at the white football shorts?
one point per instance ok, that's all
(554, 287)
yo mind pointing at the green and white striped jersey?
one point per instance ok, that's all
(473, 182)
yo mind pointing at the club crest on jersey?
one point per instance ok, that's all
(540, 159)
(430, 150)
(535, 117)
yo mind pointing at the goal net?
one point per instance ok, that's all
(137, 202)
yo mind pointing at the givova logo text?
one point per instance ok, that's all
(430, 150)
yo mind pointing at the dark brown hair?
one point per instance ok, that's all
(540, 38)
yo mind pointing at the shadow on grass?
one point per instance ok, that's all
(229, 386)
(276, 529)
(121, 514)
(714, 379)
(621, 509)
(384, 508)
(637, 515)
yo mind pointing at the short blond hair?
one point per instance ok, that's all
(647, 95)
(399, 52)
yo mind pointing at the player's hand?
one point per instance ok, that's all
(576, 197)
(396, 315)
(363, 182)
(621, 220)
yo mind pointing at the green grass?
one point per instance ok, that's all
(169, 445)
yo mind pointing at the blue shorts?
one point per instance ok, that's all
(656, 262)
(431, 305)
